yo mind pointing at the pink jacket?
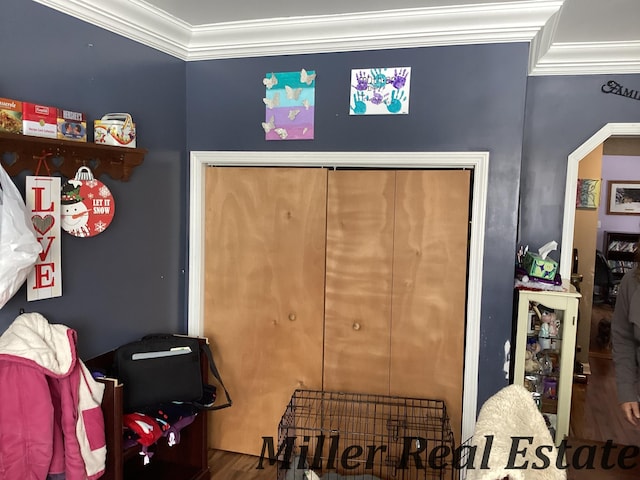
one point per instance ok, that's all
(51, 422)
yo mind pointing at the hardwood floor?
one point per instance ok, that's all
(233, 466)
(595, 415)
(596, 419)
(600, 338)
(601, 467)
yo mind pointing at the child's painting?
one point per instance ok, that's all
(289, 105)
(588, 195)
(380, 91)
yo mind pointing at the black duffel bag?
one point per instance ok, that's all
(163, 368)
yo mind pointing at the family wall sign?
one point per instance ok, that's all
(617, 89)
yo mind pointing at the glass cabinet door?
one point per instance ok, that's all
(545, 352)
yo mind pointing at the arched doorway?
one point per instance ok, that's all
(568, 219)
(586, 402)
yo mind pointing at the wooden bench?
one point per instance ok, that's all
(186, 460)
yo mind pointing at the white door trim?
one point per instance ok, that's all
(568, 220)
(477, 161)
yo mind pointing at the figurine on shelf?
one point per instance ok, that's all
(543, 338)
(550, 388)
(531, 363)
(549, 327)
(546, 365)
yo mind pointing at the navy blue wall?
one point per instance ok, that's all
(128, 280)
(463, 98)
(563, 113)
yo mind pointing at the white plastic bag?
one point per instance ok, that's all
(19, 246)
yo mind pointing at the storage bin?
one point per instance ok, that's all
(115, 129)
(39, 120)
(72, 125)
(10, 115)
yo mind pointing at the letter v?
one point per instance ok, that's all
(45, 251)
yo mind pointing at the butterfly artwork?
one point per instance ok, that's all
(289, 105)
(306, 77)
(268, 126)
(271, 81)
(273, 101)
(292, 93)
(293, 114)
(282, 133)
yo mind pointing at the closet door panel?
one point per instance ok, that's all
(264, 290)
(358, 280)
(429, 286)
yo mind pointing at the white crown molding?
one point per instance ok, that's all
(532, 21)
(515, 21)
(588, 58)
(133, 19)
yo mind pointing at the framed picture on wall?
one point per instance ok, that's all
(623, 197)
(588, 194)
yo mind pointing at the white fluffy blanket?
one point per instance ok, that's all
(504, 419)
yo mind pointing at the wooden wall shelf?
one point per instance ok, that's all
(23, 152)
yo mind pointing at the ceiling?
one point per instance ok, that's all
(566, 36)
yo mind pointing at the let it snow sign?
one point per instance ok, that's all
(43, 204)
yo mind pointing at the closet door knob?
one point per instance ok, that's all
(356, 326)
(292, 317)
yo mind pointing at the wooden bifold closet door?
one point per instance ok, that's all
(396, 284)
(264, 294)
(385, 315)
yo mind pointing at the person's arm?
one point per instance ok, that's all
(624, 353)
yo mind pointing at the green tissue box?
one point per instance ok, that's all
(538, 267)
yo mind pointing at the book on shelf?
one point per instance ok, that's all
(622, 246)
(620, 266)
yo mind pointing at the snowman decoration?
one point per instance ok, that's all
(74, 214)
(86, 205)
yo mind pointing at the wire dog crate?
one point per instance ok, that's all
(364, 437)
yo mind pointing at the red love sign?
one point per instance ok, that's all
(43, 201)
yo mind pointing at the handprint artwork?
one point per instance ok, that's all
(289, 105)
(379, 91)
